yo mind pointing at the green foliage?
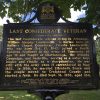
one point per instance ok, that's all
(16, 8)
(92, 14)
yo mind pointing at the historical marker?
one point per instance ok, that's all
(59, 56)
(48, 13)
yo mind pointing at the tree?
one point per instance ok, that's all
(17, 8)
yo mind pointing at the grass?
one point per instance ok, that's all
(72, 95)
(17, 95)
(81, 95)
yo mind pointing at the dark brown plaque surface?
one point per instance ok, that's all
(48, 12)
(59, 56)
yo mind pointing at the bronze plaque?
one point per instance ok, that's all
(59, 56)
(48, 13)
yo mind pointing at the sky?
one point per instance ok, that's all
(74, 16)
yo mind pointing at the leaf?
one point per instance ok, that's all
(16, 8)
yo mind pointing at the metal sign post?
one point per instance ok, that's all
(47, 94)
